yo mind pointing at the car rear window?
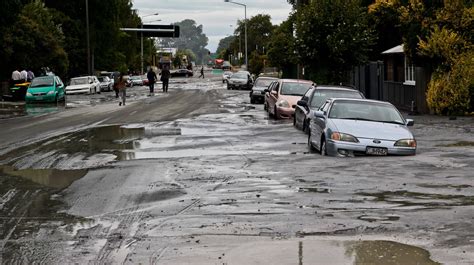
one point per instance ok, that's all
(321, 95)
(263, 82)
(294, 88)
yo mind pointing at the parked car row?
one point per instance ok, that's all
(338, 120)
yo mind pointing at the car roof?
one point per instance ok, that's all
(287, 80)
(267, 77)
(361, 100)
(341, 88)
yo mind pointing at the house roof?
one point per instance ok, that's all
(396, 49)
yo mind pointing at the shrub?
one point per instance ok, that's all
(452, 92)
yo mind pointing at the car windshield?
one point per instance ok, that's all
(367, 111)
(80, 81)
(42, 81)
(321, 95)
(239, 76)
(102, 79)
(294, 88)
(263, 82)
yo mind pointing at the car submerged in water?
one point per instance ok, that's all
(45, 89)
(349, 127)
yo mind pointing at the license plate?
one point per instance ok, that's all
(39, 98)
(376, 151)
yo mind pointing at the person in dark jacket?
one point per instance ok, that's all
(151, 76)
(165, 78)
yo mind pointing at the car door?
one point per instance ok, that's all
(301, 112)
(60, 88)
(267, 94)
(320, 123)
(273, 97)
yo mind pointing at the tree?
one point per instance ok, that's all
(35, 41)
(259, 30)
(281, 46)
(223, 48)
(331, 38)
(191, 37)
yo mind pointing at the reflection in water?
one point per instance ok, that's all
(313, 251)
(52, 178)
(387, 252)
(43, 108)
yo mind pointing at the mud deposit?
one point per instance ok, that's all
(234, 187)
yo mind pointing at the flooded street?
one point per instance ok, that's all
(201, 176)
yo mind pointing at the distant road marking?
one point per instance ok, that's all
(133, 112)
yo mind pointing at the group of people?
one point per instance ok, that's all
(23, 76)
(165, 79)
(152, 78)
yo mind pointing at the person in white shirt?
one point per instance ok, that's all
(16, 77)
(24, 75)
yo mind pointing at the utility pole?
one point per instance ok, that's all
(89, 72)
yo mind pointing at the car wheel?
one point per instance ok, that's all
(323, 150)
(310, 145)
(252, 101)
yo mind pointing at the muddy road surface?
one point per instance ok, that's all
(200, 176)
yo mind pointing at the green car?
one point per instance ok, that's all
(48, 88)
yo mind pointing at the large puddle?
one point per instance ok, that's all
(328, 252)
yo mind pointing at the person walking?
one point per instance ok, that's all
(24, 75)
(16, 77)
(30, 75)
(202, 72)
(122, 89)
(165, 78)
(151, 75)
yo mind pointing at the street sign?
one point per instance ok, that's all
(161, 31)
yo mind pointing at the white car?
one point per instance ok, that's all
(106, 84)
(225, 76)
(83, 84)
(136, 80)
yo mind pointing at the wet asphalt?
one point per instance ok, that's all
(200, 176)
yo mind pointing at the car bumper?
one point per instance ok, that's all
(257, 95)
(338, 148)
(43, 98)
(238, 86)
(285, 113)
(78, 91)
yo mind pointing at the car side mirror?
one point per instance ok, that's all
(410, 122)
(302, 103)
(319, 114)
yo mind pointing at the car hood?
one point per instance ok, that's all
(40, 89)
(78, 86)
(291, 99)
(370, 129)
(238, 79)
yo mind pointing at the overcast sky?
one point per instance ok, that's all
(217, 17)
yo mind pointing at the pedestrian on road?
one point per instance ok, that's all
(24, 75)
(16, 77)
(30, 75)
(202, 72)
(151, 75)
(122, 89)
(165, 78)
